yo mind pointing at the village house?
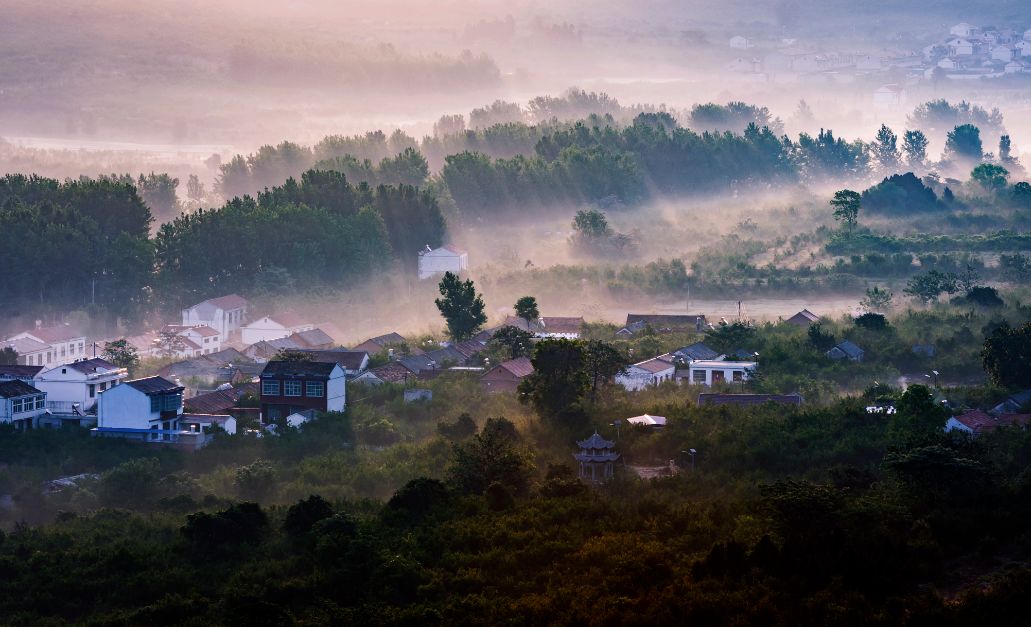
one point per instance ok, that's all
(193, 340)
(647, 420)
(846, 350)
(267, 350)
(353, 362)
(506, 376)
(273, 328)
(48, 346)
(738, 42)
(647, 373)
(975, 422)
(707, 373)
(663, 323)
(803, 319)
(1002, 53)
(385, 343)
(206, 423)
(748, 400)
(225, 314)
(21, 404)
(313, 339)
(392, 372)
(292, 386)
(20, 372)
(960, 47)
(225, 401)
(695, 352)
(548, 326)
(964, 30)
(74, 388)
(150, 403)
(447, 258)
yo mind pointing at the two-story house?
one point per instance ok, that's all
(49, 346)
(194, 340)
(225, 314)
(288, 387)
(149, 403)
(20, 372)
(74, 388)
(273, 328)
(21, 404)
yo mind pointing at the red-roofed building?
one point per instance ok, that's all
(506, 376)
(649, 372)
(976, 422)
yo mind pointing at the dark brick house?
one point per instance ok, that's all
(292, 386)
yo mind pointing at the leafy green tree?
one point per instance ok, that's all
(122, 354)
(918, 417)
(914, 146)
(195, 189)
(291, 354)
(929, 286)
(158, 191)
(526, 308)
(603, 362)
(513, 341)
(876, 299)
(8, 356)
(964, 142)
(304, 514)
(1006, 150)
(256, 480)
(990, 177)
(1006, 356)
(984, 296)
(819, 339)
(559, 383)
(130, 484)
(459, 429)
(591, 224)
(494, 455)
(461, 307)
(872, 321)
(846, 204)
(728, 337)
(886, 150)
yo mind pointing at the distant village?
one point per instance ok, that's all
(229, 370)
(966, 52)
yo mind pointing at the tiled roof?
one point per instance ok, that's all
(18, 371)
(698, 350)
(289, 319)
(393, 372)
(220, 400)
(520, 366)
(805, 316)
(298, 368)
(546, 324)
(389, 338)
(313, 337)
(15, 388)
(92, 366)
(654, 365)
(349, 360)
(228, 302)
(595, 442)
(62, 333)
(25, 345)
(849, 348)
(981, 422)
(672, 321)
(154, 385)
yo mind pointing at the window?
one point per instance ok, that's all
(18, 405)
(63, 350)
(291, 388)
(315, 389)
(41, 402)
(155, 404)
(103, 386)
(739, 375)
(270, 387)
(698, 376)
(82, 348)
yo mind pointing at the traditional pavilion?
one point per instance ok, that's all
(597, 458)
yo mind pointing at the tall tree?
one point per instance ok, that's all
(603, 362)
(1006, 356)
(558, 385)
(846, 205)
(591, 224)
(886, 150)
(526, 308)
(914, 145)
(964, 142)
(461, 307)
(8, 356)
(122, 354)
(513, 342)
(990, 177)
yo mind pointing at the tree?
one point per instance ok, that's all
(1006, 356)
(990, 177)
(194, 189)
(492, 456)
(292, 354)
(728, 337)
(526, 308)
(846, 205)
(876, 299)
(461, 307)
(158, 191)
(514, 341)
(929, 286)
(1006, 150)
(918, 418)
(559, 382)
(122, 354)
(984, 296)
(591, 224)
(914, 145)
(459, 429)
(303, 515)
(886, 150)
(964, 142)
(8, 356)
(872, 321)
(170, 342)
(819, 339)
(603, 362)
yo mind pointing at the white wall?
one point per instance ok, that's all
(431, 264)
(72, 386)
(267, 329)
(336, 390)
(123, 406)
(638, 379)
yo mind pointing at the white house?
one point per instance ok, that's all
(960, 47)
(203, 423)
(565, 327)
(447, 258)
(1014, 67)
(150, 403)
(21, 404)
(224, 314)
(738, 42)
(647, 373)
(1002, 53)
(947, 63)
(964, 30)
(273, 328)
(705, 372)
(48, 346)
(1023, 48)
(194, 340)
(1027, 35)
(889, 96)
(74, 388)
